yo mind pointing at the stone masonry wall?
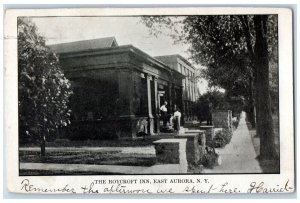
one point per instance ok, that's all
(222, 119)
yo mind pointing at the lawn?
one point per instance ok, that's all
(113, 157)
(139, 142)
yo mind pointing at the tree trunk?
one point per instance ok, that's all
(43, 146)
(251, 104)
(251, 115)
(263, 102)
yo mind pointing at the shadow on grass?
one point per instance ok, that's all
(138, 142)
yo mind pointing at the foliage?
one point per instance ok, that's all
(43, 89)
(220, 101)
(201, 107)
(235, 123)
(222, 138)
(237, 51)
(210, 158)
(236, 105)
(222, 43)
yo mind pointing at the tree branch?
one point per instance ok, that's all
(246, 29)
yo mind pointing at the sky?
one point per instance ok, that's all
(126, 30)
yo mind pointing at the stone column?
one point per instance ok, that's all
(170, 97)
(156, 112)
(195, 86)
(187, 110)
(150, 115)
(173, 97)
(182, 106)
(192, 90)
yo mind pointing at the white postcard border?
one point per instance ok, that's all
(240, 181)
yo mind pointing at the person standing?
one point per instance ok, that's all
(164, 113)
(177, 117)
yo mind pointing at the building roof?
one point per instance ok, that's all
(173, 57)
(104, 46)
(84, 45)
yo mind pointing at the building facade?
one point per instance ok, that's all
(117, 89)
(190, 92)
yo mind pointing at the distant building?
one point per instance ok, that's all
(190, 90)
(117, 89)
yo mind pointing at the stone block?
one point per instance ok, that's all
(194, 131)
(192, 147)
(222, 119)
(201, 142)
(171, 151)
(209, 132)
(201, 134)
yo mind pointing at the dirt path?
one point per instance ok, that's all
(239, 155)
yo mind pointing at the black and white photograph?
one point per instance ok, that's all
(149, 95)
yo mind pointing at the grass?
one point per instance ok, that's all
(112, 157)
(138, 142)
(88, 157)
(106, 157)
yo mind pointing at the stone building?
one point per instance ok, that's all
(117, 89)
(180, 64)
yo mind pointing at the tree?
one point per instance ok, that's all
(223, 50)
(220, 101)
(201, 106)
(212, 46)
(236, 50)
(263, 101)
(43, 89)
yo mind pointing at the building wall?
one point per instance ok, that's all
(189, 83)
(95, 94)
(116, 92)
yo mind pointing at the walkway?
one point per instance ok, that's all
(239, 155)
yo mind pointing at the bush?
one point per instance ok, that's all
(201, 107)
(222, 138)
(210, 158)
(235, 124)
(219, 101)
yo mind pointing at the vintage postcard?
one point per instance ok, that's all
(149, 101)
